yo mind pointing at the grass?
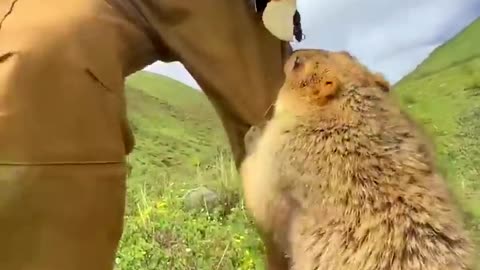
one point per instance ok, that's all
(443, 93)
(181, 145)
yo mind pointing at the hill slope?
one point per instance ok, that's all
(443, 93)
(180, 145)
(173, 123)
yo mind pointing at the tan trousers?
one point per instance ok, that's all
(63, 128)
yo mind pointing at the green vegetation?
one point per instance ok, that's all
(443, 93)
(181, 145)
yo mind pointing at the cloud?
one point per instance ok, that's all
(391, 37)
(173, 70)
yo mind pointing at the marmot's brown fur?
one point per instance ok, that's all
(355, 174)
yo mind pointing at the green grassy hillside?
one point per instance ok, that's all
(443, 93)
(174, 124)
(181, 145)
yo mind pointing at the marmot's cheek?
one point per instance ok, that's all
(283, 102)
(293, 63)
(279, 106)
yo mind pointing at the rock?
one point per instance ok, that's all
(201, 198)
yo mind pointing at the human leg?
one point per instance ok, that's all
(63, 135)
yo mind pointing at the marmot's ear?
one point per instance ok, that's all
(381, 82)
(326, 89)
(329, 86)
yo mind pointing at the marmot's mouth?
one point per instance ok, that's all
(269, 112)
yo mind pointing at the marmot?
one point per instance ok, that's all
(355, 173)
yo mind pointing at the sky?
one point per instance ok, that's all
(388, 36)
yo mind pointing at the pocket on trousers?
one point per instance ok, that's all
(4, 56)
(127, 133)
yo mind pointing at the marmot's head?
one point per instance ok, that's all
(313, 77)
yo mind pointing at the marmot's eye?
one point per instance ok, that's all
(297, 62)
